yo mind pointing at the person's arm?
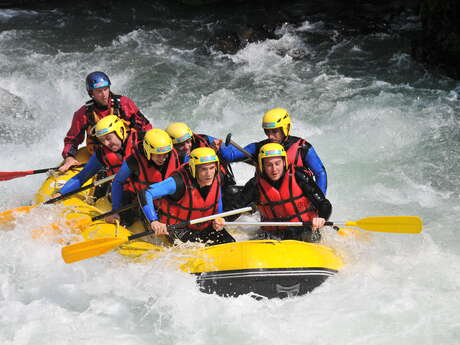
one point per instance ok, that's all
(231, 154)
(76, 133)
(314, 193)
(312, 160)
(155, 191)
(247, 195)
(137, 119)
(90, 169)
(117, 185)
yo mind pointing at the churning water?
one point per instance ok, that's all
(386, 130)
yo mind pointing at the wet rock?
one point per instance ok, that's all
(439, 43)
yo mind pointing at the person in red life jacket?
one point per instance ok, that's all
(193, 191)
(117, 144)
(285, 193)
(103, 103)
(277, 126)
(184, 141)
(153, 160)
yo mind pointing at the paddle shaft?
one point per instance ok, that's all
(9, 175)
(125, 208)
(94, 184)
(229, 140)
(182, 225)
(276, 223)
(394, 224)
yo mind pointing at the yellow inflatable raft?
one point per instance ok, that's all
(263, 268)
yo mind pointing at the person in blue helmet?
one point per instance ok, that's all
(102, 103)
(277, 126)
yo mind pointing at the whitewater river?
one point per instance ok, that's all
(386, 130)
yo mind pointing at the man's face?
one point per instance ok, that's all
(273, 167)
(101, 95)
(111, 141)
(275, 135)
(205, 173)
(158, 159)
(184, 148)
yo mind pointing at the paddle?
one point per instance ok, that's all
(9, 175)
(394, 224)
(91, 248)
(229, 140)
(125, 208)
(10, 215)
(81, 189)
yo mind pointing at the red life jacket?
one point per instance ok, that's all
(113, 160)
(148, 173)
(199, 140)
(191, 205)
(294, 150)
(286, 204)
(93, 117)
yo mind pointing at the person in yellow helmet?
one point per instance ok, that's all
(277, 126)
(152, 160)
(193, 191)
(117, 143)
(284, 192)
(102, 103)
(185, 140)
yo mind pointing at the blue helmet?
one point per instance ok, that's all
(96, 80)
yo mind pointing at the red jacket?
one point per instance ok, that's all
(87, 116)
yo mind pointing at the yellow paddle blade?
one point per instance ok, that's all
(397, 224)
(9, 216)
(88, 249)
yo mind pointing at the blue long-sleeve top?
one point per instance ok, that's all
(310, 160)
(91, 168)
(117, 185)
(161, 189)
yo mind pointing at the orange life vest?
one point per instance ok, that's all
(286, 204)
(191, 205)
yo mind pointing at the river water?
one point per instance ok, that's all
(386, 130)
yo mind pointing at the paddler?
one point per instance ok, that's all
(185, 141)
(193, 191)
(103, 103)
(118, 143)
(284, 192)
(153, 159)
(277, 127)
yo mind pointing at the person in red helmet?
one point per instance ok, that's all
(103, 103)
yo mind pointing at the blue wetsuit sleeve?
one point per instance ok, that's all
(313, 161)
(231, 154)
(90, 169)
(220, 207)
(117, 185)
(155, 191)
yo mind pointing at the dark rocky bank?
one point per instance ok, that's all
(437, 45)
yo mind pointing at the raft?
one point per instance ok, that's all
(261, 268)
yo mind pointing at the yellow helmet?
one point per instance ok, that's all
(109, 124)
(272, 150)
(202, 155)
(179, 132)
(277, 118)
(156, 141)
